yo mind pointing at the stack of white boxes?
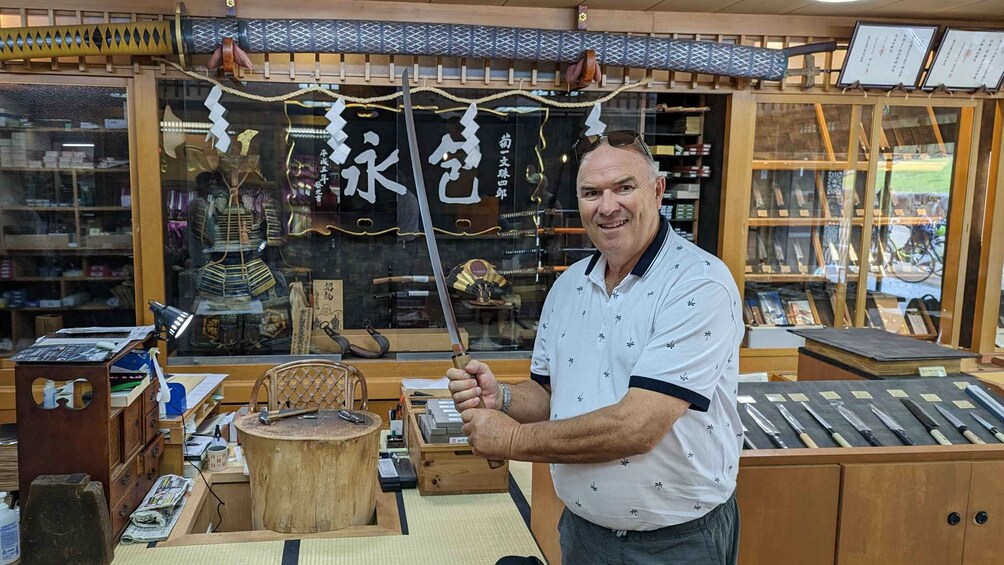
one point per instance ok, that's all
(18, 150)
(441, 422)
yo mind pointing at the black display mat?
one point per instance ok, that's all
(880, 345)
(944, 388)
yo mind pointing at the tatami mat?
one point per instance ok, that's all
(442, 530)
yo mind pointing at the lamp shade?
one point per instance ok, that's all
(170, 319)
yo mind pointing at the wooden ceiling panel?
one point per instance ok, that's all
(634, 5)
(858, 9)
(469, 2)
(985, 10)
(692, 6)
(541, 4)
(765, 7)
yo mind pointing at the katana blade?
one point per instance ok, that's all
(427, 227)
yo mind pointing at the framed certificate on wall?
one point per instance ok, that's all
(967, 60)
(886, 55)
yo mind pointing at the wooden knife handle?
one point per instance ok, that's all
(807, 440)
(973, 438)
(940, 437)
(840, 440)
(460, 361)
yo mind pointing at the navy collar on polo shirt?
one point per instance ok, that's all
(647, 257)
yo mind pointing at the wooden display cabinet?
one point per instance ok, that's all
(66, 233)
(120, 447)
(846, 211)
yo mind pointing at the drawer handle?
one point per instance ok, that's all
(155, 450)
(954, 519)
(125, 479)
(981, 517)
(124, 511)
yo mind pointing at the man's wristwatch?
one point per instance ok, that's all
(506, 397)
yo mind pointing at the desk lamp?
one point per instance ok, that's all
(172, 322)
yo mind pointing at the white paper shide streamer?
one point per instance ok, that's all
(218, 131)
(593, 124)
(471, 144)
(336, 131)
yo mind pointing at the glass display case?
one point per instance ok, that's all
(66, 245)
(279, 248)
(827, 247)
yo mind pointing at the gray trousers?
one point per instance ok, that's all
(712, 539)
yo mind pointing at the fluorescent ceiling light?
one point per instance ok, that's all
(836, 1)
(78, 145)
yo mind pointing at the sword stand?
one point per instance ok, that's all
(486, 314)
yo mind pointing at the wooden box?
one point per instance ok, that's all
(450, 469)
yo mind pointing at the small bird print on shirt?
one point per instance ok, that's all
(624, 462)
(671, 344)
(579, 398)
(617, 318)
(579, 289)
(650, 294)
(630, 343)
(593, 486)
(634, 512)
(697, 507)
(577, 503)
(679, 247)
(691, 302)
(658, 486)
(690, 455)
(570, 361)
(684, 378)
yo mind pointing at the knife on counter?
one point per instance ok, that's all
(989, 427)
(957, 424)
(767, 427)
(859, 425)
(826, 426)
(984, 399)
(926, 419)
(746, 440)
(797, 426)
(893, 426)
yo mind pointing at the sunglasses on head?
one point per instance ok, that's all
(619, 138)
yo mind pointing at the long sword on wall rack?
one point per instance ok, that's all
(185, 36)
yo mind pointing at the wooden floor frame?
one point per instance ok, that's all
(388, 519)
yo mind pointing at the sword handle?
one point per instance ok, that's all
(807, 440)
(460, 361)
(973, 438)
(999, 436)
(840, 439)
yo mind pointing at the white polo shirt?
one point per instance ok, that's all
(673, 325)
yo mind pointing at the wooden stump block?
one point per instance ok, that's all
(311, 475)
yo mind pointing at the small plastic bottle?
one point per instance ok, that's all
(49, 394)
(10, 533)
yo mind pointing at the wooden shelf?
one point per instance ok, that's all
(63, 309)
(65, 170)
(72, 130)
(786, 165)
(69, 279)
(759, 222)
(784, 277)
(77, 250)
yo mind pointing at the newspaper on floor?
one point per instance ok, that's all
(161, 507)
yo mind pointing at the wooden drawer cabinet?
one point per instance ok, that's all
(120, 447)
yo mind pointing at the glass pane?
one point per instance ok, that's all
(276, 223)
(913, 188)
(804, 241)
(65, 211)
(999, 341)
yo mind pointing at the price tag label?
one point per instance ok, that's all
(859, 212)
(782, 213)
(935, 371)
(785, 269)
(775, 397)
(745, 399)
(861, 394)
(798, 397)
(961, 385)
(829, 395)
(761, 213)
(921, 211)
(749, 269)
(897, 393)
(767, 269)
(898, 212)
(931, 397)
(964, 404)
(803, 213)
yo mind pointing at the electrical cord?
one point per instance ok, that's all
(184, 435)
